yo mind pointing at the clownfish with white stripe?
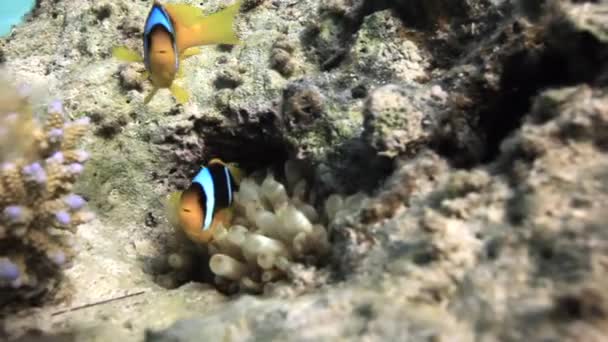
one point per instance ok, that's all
(171, 34)
(207, 203)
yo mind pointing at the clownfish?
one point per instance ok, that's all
(171, 34)
(207, 203)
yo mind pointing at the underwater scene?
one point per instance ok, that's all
(303, 170)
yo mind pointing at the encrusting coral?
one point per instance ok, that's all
(274, 234)
(39, 163)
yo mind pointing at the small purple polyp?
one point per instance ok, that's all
(75, 202)
(58, 258)
(35, 172)
(57, 157)
(13, 212)
(32, 168)
(82, 156)
(75, 168)
(63, 217)
(55, 135)
(8, 270)
(83, 121)
(56, 107)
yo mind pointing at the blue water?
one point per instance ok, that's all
(12, 12)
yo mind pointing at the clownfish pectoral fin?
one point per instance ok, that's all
(216, 28)
(223, 217)
(236, 172)
(180, 94)
(185, 14)
(151, 95)
(190, 52)
(172, 206)
(125, 54)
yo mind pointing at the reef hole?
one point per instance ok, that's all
(527, 72)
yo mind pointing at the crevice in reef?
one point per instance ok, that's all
(504, 82)
(253, 147)
(528, 71)
(346, 164)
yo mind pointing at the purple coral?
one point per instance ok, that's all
(58, 258)
(56, 157)
(56, 107)
(63, 217)
(74, 201)
(75, 168)
(14, 213)
(9, 271)
(82, 156)
(55, 135)
(34, 172)
(84, 121)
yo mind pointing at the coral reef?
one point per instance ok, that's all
(40, 163)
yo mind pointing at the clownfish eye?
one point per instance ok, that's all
(186, 210)
(162, 51)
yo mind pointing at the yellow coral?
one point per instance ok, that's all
(73, 133)
(36, 175)
(54, 120)
(13, 183)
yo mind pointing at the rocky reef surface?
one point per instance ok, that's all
(465, 140)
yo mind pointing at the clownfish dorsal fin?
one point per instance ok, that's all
(235, 171)
(216, 161)
(184, 14)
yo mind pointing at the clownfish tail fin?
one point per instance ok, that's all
(218, 28)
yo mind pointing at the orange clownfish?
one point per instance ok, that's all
(171, 34)
(207, 203)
